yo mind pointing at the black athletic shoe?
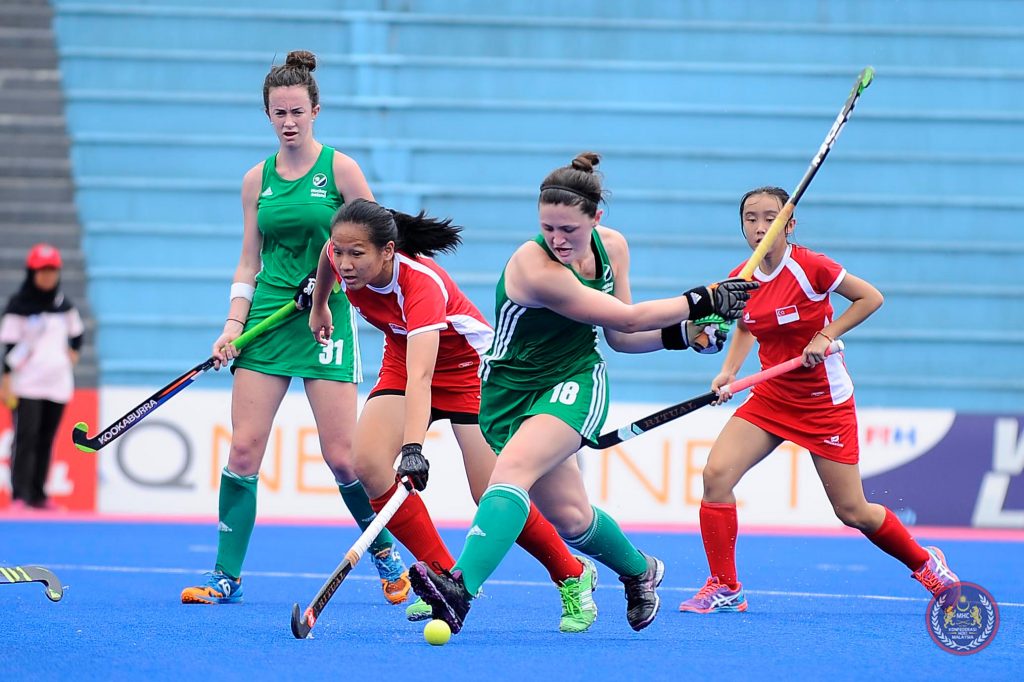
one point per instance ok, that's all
(642, 600)
(445, 593)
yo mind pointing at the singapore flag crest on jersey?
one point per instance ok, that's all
(787, 314)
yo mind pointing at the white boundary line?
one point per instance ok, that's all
(514, 583)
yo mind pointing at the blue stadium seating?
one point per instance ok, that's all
(462, 107)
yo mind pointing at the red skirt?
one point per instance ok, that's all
(827, 430)
(454, 390)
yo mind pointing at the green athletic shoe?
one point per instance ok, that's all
(418, 610)
(578, 608)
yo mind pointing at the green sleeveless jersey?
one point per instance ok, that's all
(294, 218)
(535, 348)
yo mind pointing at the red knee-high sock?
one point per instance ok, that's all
(542, 541)
(718, 528)
(414, 528)
(893, 538)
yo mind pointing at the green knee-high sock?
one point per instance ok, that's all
(499, 519)
(237, 517)
(604, 541)
(358, 503)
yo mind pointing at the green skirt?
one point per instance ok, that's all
(289, 348)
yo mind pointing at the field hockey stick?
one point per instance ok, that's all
(33, 574)
(303, 622)
(863, 81)
(87, 443)
(678, 410)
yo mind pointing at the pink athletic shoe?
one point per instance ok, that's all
(715, 597)
(935, 574)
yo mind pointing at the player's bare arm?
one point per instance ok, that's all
(420, 360)
(349, 179)
(534, 280)
(864, 299)
(739, 348)
(245, 271)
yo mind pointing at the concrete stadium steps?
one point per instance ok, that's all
(462, 108)
(930, 310)
(425, 161)
(189, 247)
(135, 289)
(199, 247)
(687, 211)
(662, 378)
(961, 13)
(902, 360)
(885, 359)
(585, 124)
(279, 30)
(36, 191)
(523, 79)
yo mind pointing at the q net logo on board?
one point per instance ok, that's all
(963, 619)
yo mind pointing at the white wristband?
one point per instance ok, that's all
(242, 290)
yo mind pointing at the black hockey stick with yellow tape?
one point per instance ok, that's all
(864, 79)
(86, 443)
(33, 574)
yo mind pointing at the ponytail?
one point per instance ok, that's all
(418, 235)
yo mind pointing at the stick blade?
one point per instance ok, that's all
(52, 584)
(301, 626)
(80, 436)
(34, 574)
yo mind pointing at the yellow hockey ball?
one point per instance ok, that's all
(437, 633)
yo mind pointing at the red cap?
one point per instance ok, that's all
(43, 256)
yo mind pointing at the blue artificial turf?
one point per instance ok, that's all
(820, 607)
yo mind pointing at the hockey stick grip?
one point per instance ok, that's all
(774, 371)
(278, 315)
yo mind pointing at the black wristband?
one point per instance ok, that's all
(672, 337)
(702, 303)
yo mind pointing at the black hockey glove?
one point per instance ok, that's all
(726, 298)
(414, 465)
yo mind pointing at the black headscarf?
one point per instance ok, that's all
(31, 300)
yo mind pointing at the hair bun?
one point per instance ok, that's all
(301, 58)
(586, 161)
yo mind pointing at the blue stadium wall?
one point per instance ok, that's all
(462, 107)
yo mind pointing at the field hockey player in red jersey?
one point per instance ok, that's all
(434, 337)
(813, 407)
